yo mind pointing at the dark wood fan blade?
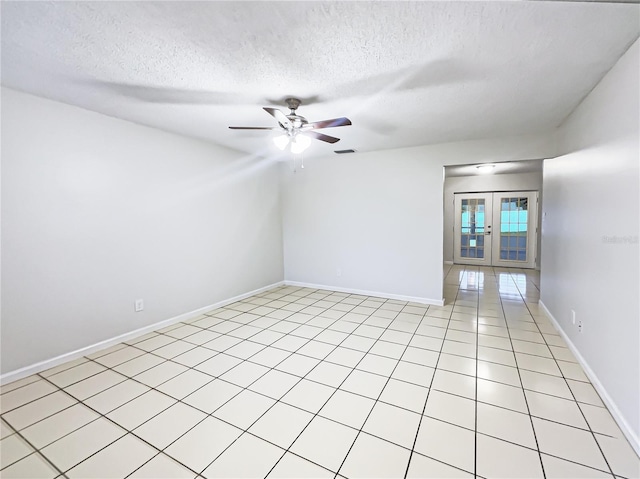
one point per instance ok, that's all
(278, 115)
(321, 137)
(254, 127)
(342, 121)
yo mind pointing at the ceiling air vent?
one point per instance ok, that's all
(342, 152)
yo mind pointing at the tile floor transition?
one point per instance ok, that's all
(305, 383)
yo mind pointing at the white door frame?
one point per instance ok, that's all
(515, 250)
(475, 232)
(486, 239)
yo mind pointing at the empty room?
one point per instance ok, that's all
(320, 239)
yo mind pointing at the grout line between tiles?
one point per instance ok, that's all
(326, 327)
(380, 395)
(574, 398)
(475, 435)
(354, 368)
(435, 369)
(35, 451)
(120, 426)
(526, 401)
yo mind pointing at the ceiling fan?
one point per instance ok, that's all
(296, 130)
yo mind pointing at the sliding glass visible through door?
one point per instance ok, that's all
(496, 229)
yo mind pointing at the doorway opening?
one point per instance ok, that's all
(491, 214)
(496, 228)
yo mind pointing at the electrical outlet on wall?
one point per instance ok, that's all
(580, 327)
(139, 305)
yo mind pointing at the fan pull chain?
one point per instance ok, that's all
(295, 161)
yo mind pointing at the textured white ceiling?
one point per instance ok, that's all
(405, 73)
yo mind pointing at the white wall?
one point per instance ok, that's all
(97, 212)
(479, 183)
(379, 216)
(592, 192)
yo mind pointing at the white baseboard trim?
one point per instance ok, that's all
(448, 262)
(400, 297)
(78, 353)
(604, 395)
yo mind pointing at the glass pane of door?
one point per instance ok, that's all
(514, 224)
(472, 227)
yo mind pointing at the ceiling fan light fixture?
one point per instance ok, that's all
(299, 143)
(281, 141)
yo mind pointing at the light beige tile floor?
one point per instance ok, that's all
(301, 383)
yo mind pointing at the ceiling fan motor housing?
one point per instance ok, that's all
(297, 121)
(293, 104)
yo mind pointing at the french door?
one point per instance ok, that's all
(496, 229)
